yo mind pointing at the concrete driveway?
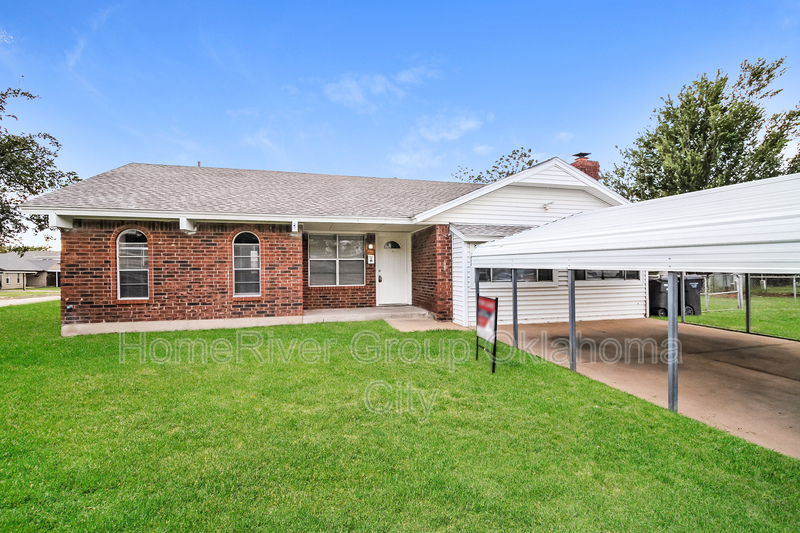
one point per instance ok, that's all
(747, 385)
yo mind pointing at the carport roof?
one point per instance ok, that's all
(749, 227)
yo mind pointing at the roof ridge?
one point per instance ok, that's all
(415, 180)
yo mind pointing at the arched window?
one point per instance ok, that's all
(392, 245)
(246, 265)
(133, 271)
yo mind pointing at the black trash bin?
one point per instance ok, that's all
(692, 288)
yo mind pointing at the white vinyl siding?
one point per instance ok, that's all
(597, 300)
(519, 205)
(459, 280)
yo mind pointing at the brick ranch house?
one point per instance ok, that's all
(156, 247)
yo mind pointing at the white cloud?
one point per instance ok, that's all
(416, 75)
(563, 137)
(415, 158)
(447, 128)
(424, 146)
(276, 156)
(74, 56)
(367, 92)
(5, 38)
(361, 92)
(482, 149)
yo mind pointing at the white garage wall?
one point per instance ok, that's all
(594, 300)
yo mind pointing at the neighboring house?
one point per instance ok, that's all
(30, 270)
(146, 245)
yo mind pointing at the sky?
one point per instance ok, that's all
(409, 90)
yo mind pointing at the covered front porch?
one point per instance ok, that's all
(362, 266)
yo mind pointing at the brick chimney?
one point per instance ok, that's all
(592, 168)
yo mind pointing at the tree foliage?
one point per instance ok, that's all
(27, 168)
(21, 248)
(517, 161)
(715, 133)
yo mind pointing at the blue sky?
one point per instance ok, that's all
(411, 90)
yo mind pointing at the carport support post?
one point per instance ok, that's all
(573, 359)
(514, 306)
(683, 297)
(672, 340)
(747, 301)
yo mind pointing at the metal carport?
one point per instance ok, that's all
(751, 227)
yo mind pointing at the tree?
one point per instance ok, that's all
(27, 168)
(714, 134)
(516, 161)
(21, 249)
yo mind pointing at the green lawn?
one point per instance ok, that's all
(771, 315)
(279, 442)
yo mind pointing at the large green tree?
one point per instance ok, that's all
(509, 164)
(27, 168)
(714, 133)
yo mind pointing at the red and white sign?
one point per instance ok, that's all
(487, 318)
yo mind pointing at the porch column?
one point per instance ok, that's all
(514, 306)
(573, 359)
(672, 340)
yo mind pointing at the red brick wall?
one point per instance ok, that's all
(432, 271)
(592, 168)
(339, 297)
(191, 276)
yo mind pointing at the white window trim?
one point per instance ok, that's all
(596, 282)
(119, 270)
(363, 259)
(233, 264)
(520, 284)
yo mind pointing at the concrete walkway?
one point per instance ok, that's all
(747, 385)
(4, 302)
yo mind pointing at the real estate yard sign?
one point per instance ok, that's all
(487, 327)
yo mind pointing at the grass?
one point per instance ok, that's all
(92, 442)
(778, 316)
(30, 293)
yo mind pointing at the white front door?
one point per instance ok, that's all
(393, 265)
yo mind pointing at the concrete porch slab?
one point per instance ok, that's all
(383, 312)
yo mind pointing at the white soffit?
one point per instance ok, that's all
(749, 227)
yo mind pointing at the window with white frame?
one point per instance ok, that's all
(528, 275)
(335, 260)
(133, 271)
(605, 275)
(246, 265)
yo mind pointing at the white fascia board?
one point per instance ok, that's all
(737, 259)
(589, 184)
(205, 217)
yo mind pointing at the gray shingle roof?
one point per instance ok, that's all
(138, 186)
(12, 262)
(487, 230)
